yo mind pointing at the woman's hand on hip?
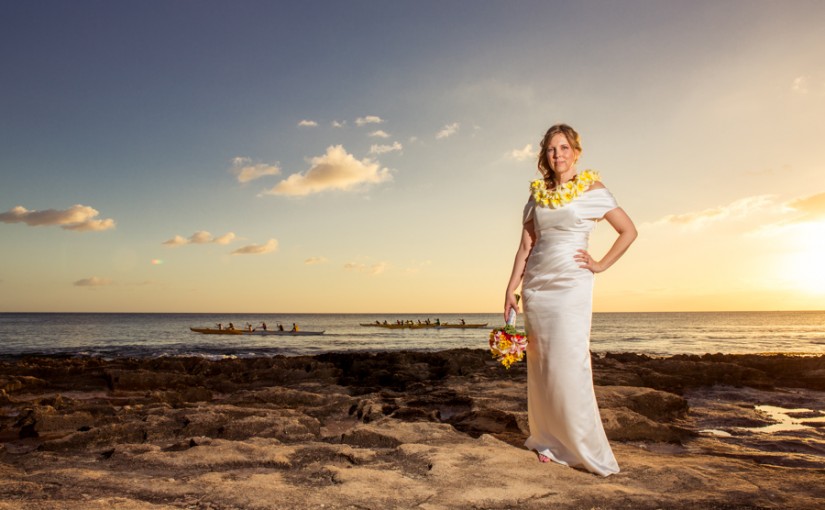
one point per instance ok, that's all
(585, 261)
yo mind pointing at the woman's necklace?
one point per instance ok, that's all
(565, 193)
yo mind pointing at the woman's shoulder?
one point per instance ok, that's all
(597, 185)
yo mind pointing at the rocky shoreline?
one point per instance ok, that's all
(430, 430)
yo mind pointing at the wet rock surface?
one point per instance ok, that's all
(400, 430)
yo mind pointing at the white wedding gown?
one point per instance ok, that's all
(565, 424)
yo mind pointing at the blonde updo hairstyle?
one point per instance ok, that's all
(543, 164)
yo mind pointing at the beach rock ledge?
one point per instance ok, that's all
(429, 430)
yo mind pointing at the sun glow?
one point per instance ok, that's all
(803, 268)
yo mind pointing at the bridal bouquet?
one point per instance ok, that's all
(508, 344)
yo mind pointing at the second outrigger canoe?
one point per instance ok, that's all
(255, 332)
(432, 325)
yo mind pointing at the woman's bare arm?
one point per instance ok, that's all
(624, 226)
(528, 238)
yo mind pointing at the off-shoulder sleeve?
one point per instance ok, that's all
(529, 209)
(596, 203)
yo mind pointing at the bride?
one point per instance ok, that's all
(556, 273)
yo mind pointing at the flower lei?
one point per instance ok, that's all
(565, 193)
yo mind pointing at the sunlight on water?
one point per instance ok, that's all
(785, 419)
(168, 334)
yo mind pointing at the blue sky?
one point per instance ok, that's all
(139, 109)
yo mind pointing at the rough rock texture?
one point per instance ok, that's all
(397, 430)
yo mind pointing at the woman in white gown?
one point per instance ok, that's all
(557, 273)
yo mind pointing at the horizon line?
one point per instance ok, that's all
(401, 313)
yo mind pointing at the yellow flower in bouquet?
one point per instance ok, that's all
(508, 344)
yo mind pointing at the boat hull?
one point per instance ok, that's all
(424, 326)
(283, 333)
(213, 331)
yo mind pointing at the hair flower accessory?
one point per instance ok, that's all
(565, 193)
(507, 344)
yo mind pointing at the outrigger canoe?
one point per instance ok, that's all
(213, 331)
(432, 325)
(255, 332)
(286, 332)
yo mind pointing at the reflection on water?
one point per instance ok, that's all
(781, 427)
(714, 433)
(128, 334)
(784, 420)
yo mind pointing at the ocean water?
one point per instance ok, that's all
(141, 335)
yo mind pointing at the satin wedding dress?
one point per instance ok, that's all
(565, 423)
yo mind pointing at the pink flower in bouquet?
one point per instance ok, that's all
(508, 345)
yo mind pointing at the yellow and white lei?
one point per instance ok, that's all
(565, 193)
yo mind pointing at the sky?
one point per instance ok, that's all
(370, 156)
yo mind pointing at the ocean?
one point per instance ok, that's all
(112, 335)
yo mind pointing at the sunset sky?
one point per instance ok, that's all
(374, 156)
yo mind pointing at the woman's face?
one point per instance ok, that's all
(560, 155)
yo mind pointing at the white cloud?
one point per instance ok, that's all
(224, 239)
(523, 154)
(772, 217)
(382, 149)
(379, 134)
(80, 218)
(374, 269)
(448, 130)
(257, 249)
(307, 123)
(336, 169)
(246, 171)
(315, 260)
(340, 124)
(176, 241)
(734, 210)
(800, 85)
(415, 266)
(93, 281)
(96, 281)
(91, 226)
(369, 119)
(812, 207)
(201, 237)
(803, 214)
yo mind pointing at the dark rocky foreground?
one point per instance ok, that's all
(398, 430)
